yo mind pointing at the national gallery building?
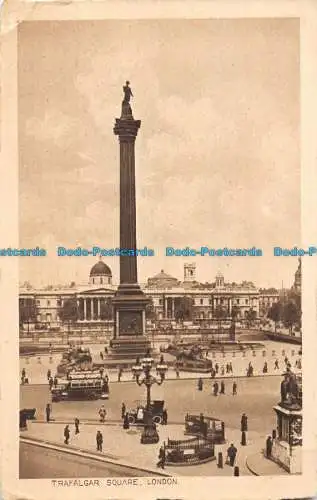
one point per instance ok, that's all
(167, 295)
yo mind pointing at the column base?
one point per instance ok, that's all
(150, 434)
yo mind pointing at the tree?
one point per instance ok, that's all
(220, 313)
(275, 313)
(184, 309)
(69, 311)
(27, 312)
(251, 316)
(291, 315)
(150, 312)
(106, 310)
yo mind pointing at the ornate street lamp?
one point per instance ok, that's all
(149, 434)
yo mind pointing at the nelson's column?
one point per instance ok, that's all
(129, 301)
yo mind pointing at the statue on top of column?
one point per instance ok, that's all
(126, 108)
(127, 92)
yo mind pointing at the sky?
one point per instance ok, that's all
(217, 155)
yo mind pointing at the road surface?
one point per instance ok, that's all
(41, 463)
(256, 397)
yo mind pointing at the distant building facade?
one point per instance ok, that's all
(170, 298)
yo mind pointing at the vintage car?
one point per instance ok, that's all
(85, 385)
(136, 416)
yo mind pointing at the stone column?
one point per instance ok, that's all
(98, 309)
(173, 307)
(85, 309)
(129, 301)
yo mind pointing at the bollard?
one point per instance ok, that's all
(236, 471)
(220, 460)
(243, 438)
(263, 354)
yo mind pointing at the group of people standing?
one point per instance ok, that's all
(99, 436)
(218, 387)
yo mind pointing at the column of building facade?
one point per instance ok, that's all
(85, 309)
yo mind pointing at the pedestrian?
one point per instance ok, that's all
(162, 458)
(66, 434)
(48, 374)
(23, 373)
(299, 364)
(126, 423)
(101, 355)
(120, 374)
(200, 384)
(76, 425)
(216, 388)
(99, 441)
(55, 381)
(123, 411)
(222, 387)
(230, 366)
(269, 446)
(231, 454)
(217, 368)
(102, 413)
(48, 412)
(222, 370)
(101, 372)
(276, 366)
(164, 417)
(177, 372)
(244, 422)
(234, 389)
(51, 382)
(265, 367)
(22, 380)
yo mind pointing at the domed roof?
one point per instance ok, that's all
(163, 275)
(100, 269)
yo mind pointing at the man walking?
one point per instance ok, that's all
(99, 441)
(234, 389)
(162, 458)
(120, 372)
(76, 425)
(102, 413)
(48, 412)
(66, 434)
(232, 453)
(216, 388)
(222, 387)
(164, 417)
(269, 446)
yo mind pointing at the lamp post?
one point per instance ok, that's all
(149, 434)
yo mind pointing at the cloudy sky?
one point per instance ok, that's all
(217, 155)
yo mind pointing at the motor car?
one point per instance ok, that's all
(136, 415)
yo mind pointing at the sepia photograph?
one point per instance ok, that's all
(157, 276)
(159, 316)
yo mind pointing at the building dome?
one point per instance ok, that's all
(100, 269)
(100, 274)
(162, 280)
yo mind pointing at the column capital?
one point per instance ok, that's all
(127, 130)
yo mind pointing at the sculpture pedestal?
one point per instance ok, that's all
(287, 447)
